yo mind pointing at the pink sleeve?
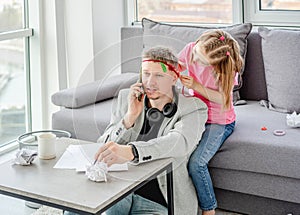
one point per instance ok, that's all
(182, 56)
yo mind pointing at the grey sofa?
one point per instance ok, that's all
(254, 172)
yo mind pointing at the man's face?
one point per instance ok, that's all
(156, 82)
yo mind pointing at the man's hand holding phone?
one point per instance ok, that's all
(135, 105)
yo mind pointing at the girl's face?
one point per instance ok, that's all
(198, 55)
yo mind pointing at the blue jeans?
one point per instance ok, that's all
(134, 205)
(212, 139)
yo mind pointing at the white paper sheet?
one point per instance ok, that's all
(79, 156)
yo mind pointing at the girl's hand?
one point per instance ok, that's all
(188, 82)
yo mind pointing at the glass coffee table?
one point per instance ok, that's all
(29, 139)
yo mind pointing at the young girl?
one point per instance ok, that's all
(213, 62)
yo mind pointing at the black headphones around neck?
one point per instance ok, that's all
(154, 114)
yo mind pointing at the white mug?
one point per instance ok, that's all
(46, 146)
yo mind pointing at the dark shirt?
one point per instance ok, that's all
(151, 190)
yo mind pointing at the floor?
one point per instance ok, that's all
(13, 206)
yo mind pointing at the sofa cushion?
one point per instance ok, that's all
(257, 162)
(251, 149)
(257, 184)
(94, 92)
(131, 48)
(281, 52)
(177, 36)
(252, 204)
(85, 123)
(254, 81)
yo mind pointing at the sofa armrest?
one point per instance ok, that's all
(94, 91)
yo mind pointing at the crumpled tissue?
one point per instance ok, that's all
(25, 157)
(97, 172)
(293, 119)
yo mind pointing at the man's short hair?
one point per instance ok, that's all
(161, 53)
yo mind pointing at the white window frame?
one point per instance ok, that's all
(35, 20)
(131, 13)
(256, 16)
(243, 11)
(24, 33)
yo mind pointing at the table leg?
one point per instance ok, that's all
(170, 189)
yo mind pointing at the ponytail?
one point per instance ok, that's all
(225, 79)
(223, 53)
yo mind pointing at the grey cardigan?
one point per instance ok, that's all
(177, 138)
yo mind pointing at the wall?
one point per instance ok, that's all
(79, 41)
(74, 42)
(61, 52)
(108, 18)
(43, 66)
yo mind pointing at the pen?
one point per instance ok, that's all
(104, 143)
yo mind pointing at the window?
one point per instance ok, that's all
(14, 108)
(273, 12)
(257, 12)
(198, 11)
(280, 4)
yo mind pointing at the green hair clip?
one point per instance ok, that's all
(163, 66)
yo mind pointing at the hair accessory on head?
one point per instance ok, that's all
(163, 65)
(227, 53)
(222, 38)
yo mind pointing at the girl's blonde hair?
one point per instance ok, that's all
(223, 53)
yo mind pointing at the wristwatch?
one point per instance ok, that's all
(135, 154)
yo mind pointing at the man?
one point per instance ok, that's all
(151, 121)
